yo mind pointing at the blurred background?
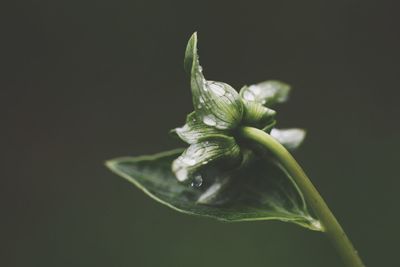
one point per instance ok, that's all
(85, 81)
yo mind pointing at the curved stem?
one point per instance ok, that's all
(331, 226)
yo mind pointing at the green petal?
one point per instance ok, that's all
(217, 104)
(194, 130)
(267, 93)
(190, 57)
(260, 191)
(257, 115)
(289, 138)
(207, 151)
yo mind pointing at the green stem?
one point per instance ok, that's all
(330, 224)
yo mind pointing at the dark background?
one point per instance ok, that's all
(85, 81)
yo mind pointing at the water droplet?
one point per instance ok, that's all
(222, 125)
(255, 89)
(209, 120)
(189, 161)
(197, 181)
(205, 86)
(180, 170)
(181, 174)
(317, 225)
(249, 96)
(218, 89)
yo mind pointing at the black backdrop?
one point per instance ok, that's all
(84, 81)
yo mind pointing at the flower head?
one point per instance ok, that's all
(230, 182)
(218, 111)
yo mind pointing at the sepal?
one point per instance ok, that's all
(266, 93)
(217, 148)
(289, 138)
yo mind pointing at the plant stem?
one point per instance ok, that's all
(330, 224)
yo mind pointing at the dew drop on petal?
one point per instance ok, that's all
(189, 161)
(255, 89)
(249, 96)
(178, 167)
(181, 174)
(209, 120)
(217, 89)
(222, 125)
(205, 86)
(316, 224)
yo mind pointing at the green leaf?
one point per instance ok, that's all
(194, 130)
(259, 191)
(267, 93)
(219, 149)
(289, 138)
(217, 104)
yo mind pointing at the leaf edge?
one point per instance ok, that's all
(313, 224)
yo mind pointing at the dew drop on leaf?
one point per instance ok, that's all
(197, 181)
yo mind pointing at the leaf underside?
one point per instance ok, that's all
(260, 191)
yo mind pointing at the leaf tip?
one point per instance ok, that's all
(110, 164)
